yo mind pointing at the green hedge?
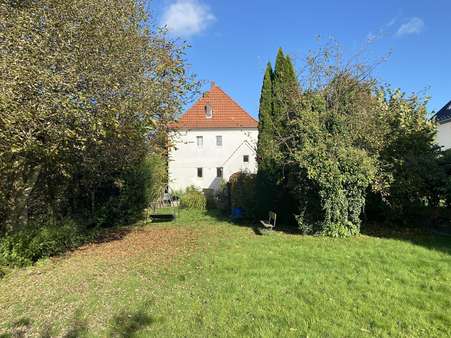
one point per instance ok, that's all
(26, 246)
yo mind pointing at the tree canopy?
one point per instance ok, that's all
(85, 87)
(341, 141)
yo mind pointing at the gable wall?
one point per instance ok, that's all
(186, 157)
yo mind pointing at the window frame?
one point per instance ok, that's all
(201, 143)
(245, 158)
(219, 170)
(200, 172)
(219, 144)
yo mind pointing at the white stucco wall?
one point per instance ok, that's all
(444, 135)
(186, 156)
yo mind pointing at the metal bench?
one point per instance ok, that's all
(271, 223)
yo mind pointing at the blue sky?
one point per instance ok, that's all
(231, 41)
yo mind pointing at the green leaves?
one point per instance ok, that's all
(339, 137)
(84, 84)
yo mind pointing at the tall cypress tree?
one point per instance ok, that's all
(286, 89)
(278, 85)
(279, 91)
(265, 117)
(265, 185)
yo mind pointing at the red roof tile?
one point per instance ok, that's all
(226, 113)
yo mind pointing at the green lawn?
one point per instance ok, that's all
(201, 277)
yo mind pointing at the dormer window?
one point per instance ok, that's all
(208, 111)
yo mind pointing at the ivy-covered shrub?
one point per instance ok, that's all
(340, 139)
(330, 185)
(193, 198)
(32, 243)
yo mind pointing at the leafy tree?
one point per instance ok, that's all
(344, 135)
(409, 159)
(85, 86)
(330, 173)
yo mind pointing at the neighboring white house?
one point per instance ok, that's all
(443, 118)
(213, 140)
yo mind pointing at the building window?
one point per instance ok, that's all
(200, 141)
(219, 172)
(245, 158)
(199, 172)
(208, 111)
(219, 141)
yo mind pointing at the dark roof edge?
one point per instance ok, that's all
(444, 113)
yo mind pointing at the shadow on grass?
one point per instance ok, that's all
(122, 325)
(18, 329)
(253, 224)
(127, 324)
(78, 327)
(111, 234)
(21, 328)
(425, 237)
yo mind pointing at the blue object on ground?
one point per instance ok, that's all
(237, 213)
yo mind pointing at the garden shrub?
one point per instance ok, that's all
(222, 201)
(192, 198)
(242, 186)
(32, 243)
(124, 199)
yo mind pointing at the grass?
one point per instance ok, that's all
(201, 277)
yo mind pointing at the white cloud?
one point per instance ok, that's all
(187, 17)
(413, 26)
(371, 37)
(382, 32)
(391, 22)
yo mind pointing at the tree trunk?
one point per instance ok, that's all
(19, 214)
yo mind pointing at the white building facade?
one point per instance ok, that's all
(444, 134)
(443, 118)
(213, 140)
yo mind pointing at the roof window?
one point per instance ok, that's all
(208, 111)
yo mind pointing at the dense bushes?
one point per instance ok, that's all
(243, 193)
(192, 198)
(124, 199)
(29, 244)
(339, 141)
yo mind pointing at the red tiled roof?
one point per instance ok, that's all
(226, 113)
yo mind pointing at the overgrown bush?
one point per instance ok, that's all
(243, 193)
(32, 243)
(409, 159)
(339, 136)
(222, 200)
(124, 199)
(192, 198)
